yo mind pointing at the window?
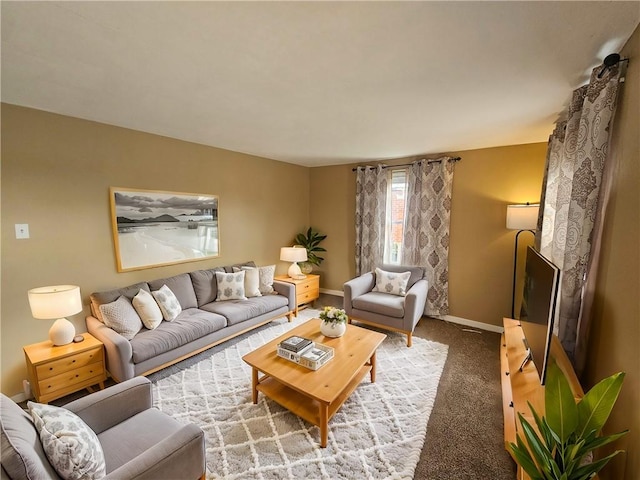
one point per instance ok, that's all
(395, 221)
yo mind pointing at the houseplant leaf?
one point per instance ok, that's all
(594, 408)
(311, 240)
(541, 455)
(590, 469)
(523, 457)
(561, 410)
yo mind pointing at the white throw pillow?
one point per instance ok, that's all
(149, 311)
(168, 303)
(392, 282)
(266, 279)
(251, 281)
(230, 286)
(73, 449)
(121, 317)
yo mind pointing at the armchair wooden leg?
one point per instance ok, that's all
(409, 339)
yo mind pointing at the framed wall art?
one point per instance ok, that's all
(153, 228)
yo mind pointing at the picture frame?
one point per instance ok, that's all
(153, 228)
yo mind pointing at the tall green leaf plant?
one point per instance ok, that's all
(569, 432)
(311, 241)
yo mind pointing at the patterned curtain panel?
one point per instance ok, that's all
(426, 237)
(371, 203)
(576, 159)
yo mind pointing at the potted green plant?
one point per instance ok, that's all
(311, 241)
(569, 432)
(334, 322)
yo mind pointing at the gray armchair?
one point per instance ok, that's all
(139, 442)
(384, 310)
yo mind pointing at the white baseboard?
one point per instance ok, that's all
(472, 323)
(337, 293)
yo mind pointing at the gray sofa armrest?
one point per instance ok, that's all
(356, 287)
(180, 455)
(414, 303)
(118, 349)
(288, 290)
(111, 406)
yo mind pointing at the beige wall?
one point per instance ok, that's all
(481, 251)
(56, 174)
(615, 334)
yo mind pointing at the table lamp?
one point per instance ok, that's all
(294, 255)
(56, 302)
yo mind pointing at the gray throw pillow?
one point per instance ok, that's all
(121, 317)
(168, 303)
(230, 286)
(391, 282)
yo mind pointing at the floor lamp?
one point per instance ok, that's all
(523, 218)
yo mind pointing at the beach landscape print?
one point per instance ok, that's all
(153, 228)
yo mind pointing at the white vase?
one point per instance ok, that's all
(333, 329)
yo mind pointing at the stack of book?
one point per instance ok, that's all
(305, 352)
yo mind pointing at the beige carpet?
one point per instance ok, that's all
(378, 433)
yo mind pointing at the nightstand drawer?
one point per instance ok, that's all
(68, 380)
(307, 296)
(71, 362)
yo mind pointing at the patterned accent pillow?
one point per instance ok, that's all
(149, 311)
(168, 303)
(72, 448)
(392, 282)
(251, 281)
(230, 286)
(266, 279)
(121, 317)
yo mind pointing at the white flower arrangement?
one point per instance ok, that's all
(333, 315)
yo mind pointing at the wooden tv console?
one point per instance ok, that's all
(520, 387)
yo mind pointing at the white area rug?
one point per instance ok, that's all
(378, 433)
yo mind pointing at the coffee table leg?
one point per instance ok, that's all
(324, 424)
(254, 384)
(373, 367)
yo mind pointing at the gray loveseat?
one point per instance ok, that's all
(203, 322)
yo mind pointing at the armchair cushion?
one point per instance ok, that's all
(381, 303)
(391, 282)
(70, 445)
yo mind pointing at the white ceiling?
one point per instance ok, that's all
(312, 83)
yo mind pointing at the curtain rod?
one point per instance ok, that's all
(452, 159)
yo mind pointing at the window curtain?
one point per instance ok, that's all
(426, 237)
(371, 203)
(573, 200)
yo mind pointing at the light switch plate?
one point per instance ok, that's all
(22, 230)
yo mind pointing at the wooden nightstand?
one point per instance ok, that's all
(58, 371)
(307, 289)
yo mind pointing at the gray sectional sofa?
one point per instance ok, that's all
(203, 322)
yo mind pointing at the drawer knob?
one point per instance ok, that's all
(73, 361)
(50, 368)
(77, 376)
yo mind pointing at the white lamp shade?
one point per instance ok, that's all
(55, 302)
(293, 254)
(522, 217)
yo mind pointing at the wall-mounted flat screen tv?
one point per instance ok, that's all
(541, 287)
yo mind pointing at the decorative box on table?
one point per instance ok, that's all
(313, 356)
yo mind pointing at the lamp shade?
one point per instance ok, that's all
(522, 217)
(55, 302)
(293, 254)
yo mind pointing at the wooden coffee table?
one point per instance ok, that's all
(315, 396)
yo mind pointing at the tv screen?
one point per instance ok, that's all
(541, 285)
